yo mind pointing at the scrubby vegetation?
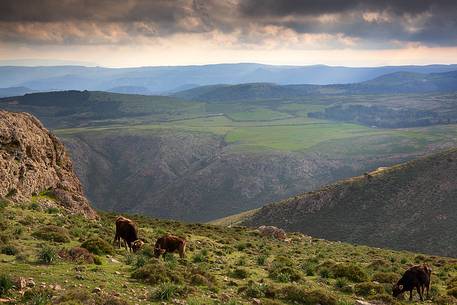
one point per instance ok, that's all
(222, 266)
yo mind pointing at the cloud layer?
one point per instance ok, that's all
(364, 24)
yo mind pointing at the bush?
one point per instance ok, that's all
(304, 296)
(155, 272)
(309, 267)
(77, 254)
(239, 273)
(52, 233)
(352, 272)
(98, 260)
(9, 250)
(452, 292)
(444, 300)
(167, 291)
(385, 277)
(254, 290)
(47, 255)
(284, 274)
(37, 296)
(201, 256)
(368, 288)
(98, 246)
(341, 282)
(262, 260)
(6, 284)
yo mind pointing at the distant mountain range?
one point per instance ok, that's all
(398, 82)
(166, 80)
(410, 206)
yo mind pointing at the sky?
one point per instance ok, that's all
(127, 33)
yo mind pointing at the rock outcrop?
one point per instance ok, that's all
(33, 162)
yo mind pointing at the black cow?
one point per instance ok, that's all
(417, 277)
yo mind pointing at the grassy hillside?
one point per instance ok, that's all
(409, 206)
(222, 266)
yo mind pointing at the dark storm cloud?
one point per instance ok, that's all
(115, 22)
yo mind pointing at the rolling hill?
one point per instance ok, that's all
(410, 206)
(394, 83)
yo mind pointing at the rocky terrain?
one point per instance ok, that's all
(197, 176)
(35, 166)
(409, 206)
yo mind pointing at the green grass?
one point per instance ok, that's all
(228, 267)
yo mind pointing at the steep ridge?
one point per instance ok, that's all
(34, 164)
(410, 206)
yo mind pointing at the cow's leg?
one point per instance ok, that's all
(182, 250)
(411, 294)
(418, 288)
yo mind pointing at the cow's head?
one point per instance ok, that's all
(397, 291)
(158, 251)
(137, 244)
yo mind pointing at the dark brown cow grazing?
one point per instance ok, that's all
(415, 277)
(170, 244)
(126, 230)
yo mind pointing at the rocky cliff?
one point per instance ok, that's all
(33, 162)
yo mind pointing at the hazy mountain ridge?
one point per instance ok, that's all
(169, 79)
(409, 206)
(394, 83)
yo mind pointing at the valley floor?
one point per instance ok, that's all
(223, 265)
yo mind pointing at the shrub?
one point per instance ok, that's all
(155, 272)
(309, 267)
(384, 298)
(324, 273)
(304, 296)
(201, 256)
(284, 274)
(6, 284)
(368, 288)
(254, 290)
(198, 280)
(452, 292)
(77, 254)
(52, 210)
(47, 255)
(262, 260)
(97, 260)
(385, 277)
(444, 300)
(167, 291)
(37, 296)
(9, 250)
(239, 273)
(52, 233)
(341, 282)
(352, 272)
(140, 261)
(147, 251)
(98, 246)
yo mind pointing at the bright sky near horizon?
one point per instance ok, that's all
(181, 32)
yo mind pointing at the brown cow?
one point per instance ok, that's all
(415, 277)
(170, 244)
(126, 230)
